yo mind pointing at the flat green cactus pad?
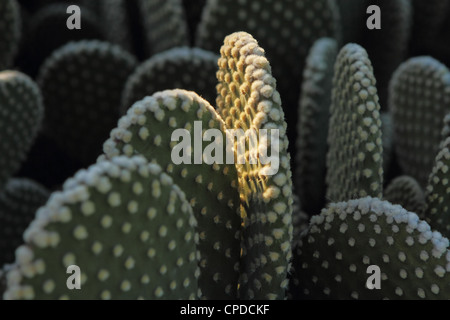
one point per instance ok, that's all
(82, 83)
(333, 257)
(355, 156)
(211, 188)
(419, 100)
(21, 115)
(125, 224)
(248, 100)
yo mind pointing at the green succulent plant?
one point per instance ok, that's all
(82, 84)
(126, 225)
(211, 190)
(419, 100)
(21, 116)
(262, 204)
(179, 206)
(333, 256)
(355, 156)
(10, 32)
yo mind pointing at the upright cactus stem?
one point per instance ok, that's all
(82, 83)
(355, 156)
(248, 100)
(419, 100)
(246, 191)
(21, 115)
(125, 224)
(211, 189)
(333, 256)
(10, 32)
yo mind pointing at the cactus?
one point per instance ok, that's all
(437, 192)
(285, 29)
(251, 226)
(81, 85)
(18, 204)
(126, 225)
(406, 191)
(47, 32)
(211, 190)
(162, 18)
(10, 32)
(21, 115)
(348, 237)
(419, 100)
(247, 99)
(354, 159)
(312, 125)
(188, 68)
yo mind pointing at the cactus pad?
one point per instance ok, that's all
(125, 224)
(348, 237)
(147, 129)
(21, 114)
(248, 100)
(355, 156)
(81, 85)
(419, 100)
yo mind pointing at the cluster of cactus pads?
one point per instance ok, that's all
(370, 179)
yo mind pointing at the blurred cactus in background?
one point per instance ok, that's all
(88, 120)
